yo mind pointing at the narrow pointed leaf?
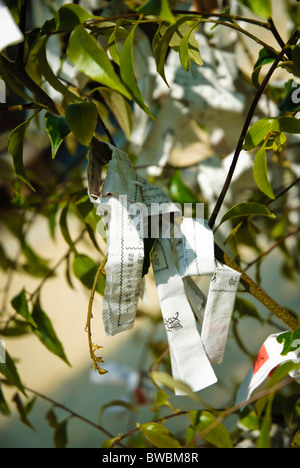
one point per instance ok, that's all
(69, 16)
(85, 270)
(15, 148)
(90, 59)
(81, 119)
(57, 129)
(20, 305)
(247, 209)
(46, 334)
(50, 76)
(9, 370)
(260, 173)
(128, 73)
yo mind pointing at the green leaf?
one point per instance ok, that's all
(15, 148)
(69, 16)
(60, 437)
(85, 270)
(159, 435)
(36, 265)
(22, 411)
(120, 108)
(119, 404)
(88, 57)
(112, 43)
(57, 129)
(51, 78)
(110, 442)
(9, 370)
(291, 341)
(265, 57)
(180, 192)
(189, 50)
(4, 408)
(161, 45)
(160, 8)
(260, 173)
(12, 84)
(81, 119)
(219, 436)
(258, 7)
(63, 223)
(20, 305)
(264, 128)
(249, 419)
(247, 209)
(167, 380)
(296, 440)
(46, 334)
(127, 71)
(296, 56)
(263, 440)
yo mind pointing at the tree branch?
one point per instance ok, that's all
(246, 126)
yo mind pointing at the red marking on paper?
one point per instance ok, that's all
(261, 358)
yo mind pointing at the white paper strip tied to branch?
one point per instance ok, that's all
(127, 204)
(124, 196)
(10, 34)
(267, 359)
(188, 358)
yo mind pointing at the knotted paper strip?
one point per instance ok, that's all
(267, 359)
(127, 203)
(188, 358)
(124, 240)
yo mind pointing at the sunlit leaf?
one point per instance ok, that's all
(218, 436)
(260, 173)
(180, 192)
(159, 435)
(247, 209)
(259, 8)
(160, 8)
(265, 57)
(88, 57)
(120, 108)
(69, 16)
(128, 73)
(162, 45)
(290, 340)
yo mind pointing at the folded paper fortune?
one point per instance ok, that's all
(181, 250)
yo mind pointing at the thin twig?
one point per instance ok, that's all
(246, 126)
(71, 412)
(270, 249)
